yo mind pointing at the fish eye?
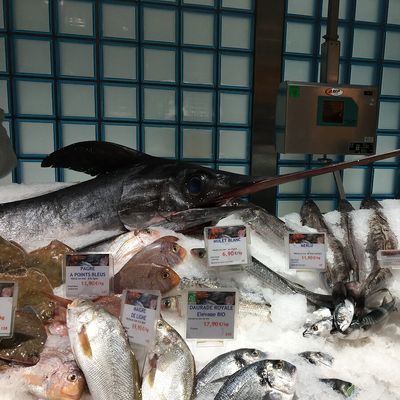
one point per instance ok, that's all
(254, 353)
(315, 327)
(165, 275)
(195, 185)
(175, 248)
(278, 365)
(167, 303)
(160, 324)
(72, 377)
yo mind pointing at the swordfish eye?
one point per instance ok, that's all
(194, 184)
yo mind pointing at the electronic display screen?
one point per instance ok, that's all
(332, 111)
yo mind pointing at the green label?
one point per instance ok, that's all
(192, 298)
(294, 91)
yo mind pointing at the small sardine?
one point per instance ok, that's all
(343, 387)
(317, 358)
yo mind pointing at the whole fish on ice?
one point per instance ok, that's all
(102, 351)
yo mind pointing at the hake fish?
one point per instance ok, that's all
(267, 379)
(211, 378)
(102, 351)
(380, 235)
(169, 371)
(338, 269)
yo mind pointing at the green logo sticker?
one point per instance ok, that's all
(192, 298)
(294, 91)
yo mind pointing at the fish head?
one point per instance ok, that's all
(166, 278)
(157, 193)
(343, 315)
(79, 313)
(167, 252)
(67, 383)
(250, 356)
(281, 375)
(171, 304)
(309, 212)
(320, 328)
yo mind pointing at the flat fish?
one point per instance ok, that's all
(101, 349)
(28, 341)
(49, 260)
(169, 371)
(267, 379)
(211, 378)
(380, 235)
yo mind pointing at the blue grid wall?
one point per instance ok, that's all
(369, 32)
(171, 78)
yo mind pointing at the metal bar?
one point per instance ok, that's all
(267, 76)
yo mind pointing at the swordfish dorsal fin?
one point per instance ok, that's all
(95, 158)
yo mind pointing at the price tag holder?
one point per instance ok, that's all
(88, 274)
(140, 312)
(8, 304)
(211, 314)
(389, 258)
(227, 245)
(307, 251)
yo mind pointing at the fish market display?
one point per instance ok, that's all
(279, 310)
(267, 379)
(169, 371)
(101, 349)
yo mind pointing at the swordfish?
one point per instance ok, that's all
(132, 190)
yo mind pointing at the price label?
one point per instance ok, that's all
(389, 258)
(211, 314)
(139, 313)
(88, 275)
(8, 303)
(307, 251)
(226, 245)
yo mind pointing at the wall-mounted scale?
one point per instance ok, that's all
(327, 118)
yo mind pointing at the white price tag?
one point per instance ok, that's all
(139, 313)
(211, 314)
(389, 258)
(8, 302)
(307, 251)
(226, 245)
(88, 275)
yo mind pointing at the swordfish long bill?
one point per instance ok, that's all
(130, 190)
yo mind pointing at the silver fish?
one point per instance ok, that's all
(317, 358)
(343, 387)
(279, 284)
(380, 235)
(338, 270)
(343, 315)
(102, 351)
(169, 371)
(320, 328)
(211, 378)
(267, 379)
